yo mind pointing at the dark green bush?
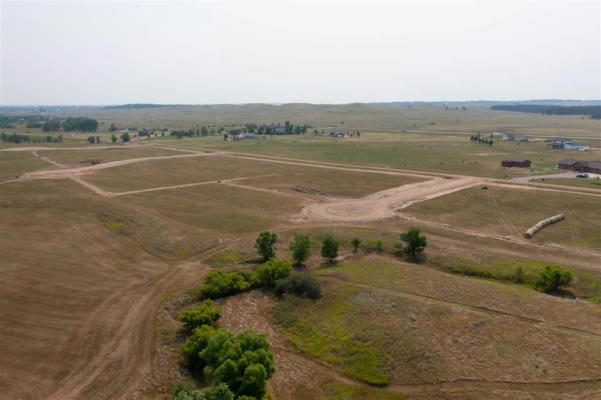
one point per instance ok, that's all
(300, 284)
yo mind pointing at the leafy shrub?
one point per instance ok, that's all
(300, 248)
(205, 314)
(552, 278)
(182, 392)
(300, 284)
(268, 273)
(243, 362)
(224, 283)
(355, 243)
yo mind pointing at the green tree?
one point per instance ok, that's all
(243, 362)
(97, 139)
(300, 248)
(194, 344)
(205, 314)
(204, 131)
(125, 137)
(355, 243)
(552, 278)
(91, 139)
(416, 244)
(329, 248)
(264, 245)
(114, 139)
(268, 273)
(113, 127)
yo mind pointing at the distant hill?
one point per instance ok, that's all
(560, 102)
(142, 105)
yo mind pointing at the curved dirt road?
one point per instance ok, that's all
(384, 204)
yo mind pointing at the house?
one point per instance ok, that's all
(560, 142)
(145, 132)
(575, 146)
(336, 133)
(132, 128)
(512, 162)
(280, 129)
(580, 166)
(244, 135)
(507, 137)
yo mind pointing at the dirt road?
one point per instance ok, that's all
(383, 204)
(70, 172)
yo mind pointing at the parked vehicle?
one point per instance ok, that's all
(582, 176)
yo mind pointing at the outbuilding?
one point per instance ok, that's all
(512, 162)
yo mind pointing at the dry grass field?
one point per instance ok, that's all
(99, 260)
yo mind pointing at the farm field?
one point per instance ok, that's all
(99, 260)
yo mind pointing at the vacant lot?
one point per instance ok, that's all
(382, 322)
(83, 157)
(77, 301)
(16, 163)
(513, 211)
(426, 152)
(577, 182)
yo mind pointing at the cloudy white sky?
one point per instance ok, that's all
(222, 51)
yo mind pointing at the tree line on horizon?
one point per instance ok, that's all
(592, 111)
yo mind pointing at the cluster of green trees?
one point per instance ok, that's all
(70, 124)
(52, 125)
(16, 138)
(94, 139)
(80, 124)
(479, 139)
(592, 111)
(238, 366)
(32, 121)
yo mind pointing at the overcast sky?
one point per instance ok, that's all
(279, 51)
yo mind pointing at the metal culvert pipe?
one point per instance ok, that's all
(541, 224)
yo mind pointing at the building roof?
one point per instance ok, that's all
(515, 160)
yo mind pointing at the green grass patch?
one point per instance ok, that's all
(223, 258)
(332, 330)
(114, 225)
(577, 182)
(340, 391)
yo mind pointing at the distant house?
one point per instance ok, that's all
(575, 146)
(132, 128)
(559, 143)
(580, 166)
(145, 132)
(280, 129)
(512, 162)
(507, 137)
(336, 133)
(244, 135)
